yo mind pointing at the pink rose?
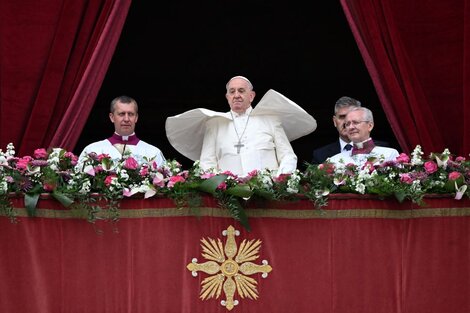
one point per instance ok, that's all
(40, 153)
(109, 179)
(406, 178)
(459, 159)
(454, 176)
(175, 179)
(403, 158)
(131, 164)
(430, 167)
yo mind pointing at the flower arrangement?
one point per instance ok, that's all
(98, 183)
(407, 177)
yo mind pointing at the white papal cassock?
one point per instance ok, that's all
(256, 140)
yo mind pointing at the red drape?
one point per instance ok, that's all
(53, 57)
(358, 255)
(417, 53)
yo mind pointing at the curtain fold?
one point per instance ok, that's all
(415, 52)
(54, 55)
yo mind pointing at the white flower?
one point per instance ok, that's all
(3, 187)
(123, 175)
(416, 156)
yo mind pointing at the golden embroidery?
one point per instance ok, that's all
(229, 269)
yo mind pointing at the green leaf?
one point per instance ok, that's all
(242, 191)
(263, 194)
(400, 196)
(210, 185)
(63, 199)
(238, 213)
(30, 202)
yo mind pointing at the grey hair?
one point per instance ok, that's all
(123, 99)
(346, 102)
(368, 116)
(250, 85)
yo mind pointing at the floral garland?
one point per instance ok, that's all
(95, 187)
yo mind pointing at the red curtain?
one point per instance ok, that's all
(53, 57)
(417, 53)
(358, 255)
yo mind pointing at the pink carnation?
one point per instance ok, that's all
(281, 178)
(454, 175)
(40, 153)
(253, 173)
(329, 168)
(222, 186)
(430, 167)
(228, 173)
(72, 157)
(48, 187)
(23, 162)
(403, 158)
(144, 171)
(175, 179)
(131, 164)
(369, 165)
(207, 175)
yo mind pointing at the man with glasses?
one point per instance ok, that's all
(358, 125)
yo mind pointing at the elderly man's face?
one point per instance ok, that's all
(239, 95)
(357, 127)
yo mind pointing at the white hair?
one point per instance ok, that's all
(241, 77)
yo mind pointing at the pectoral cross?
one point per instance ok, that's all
(238, 146)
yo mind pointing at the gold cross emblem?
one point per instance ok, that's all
(229, 268)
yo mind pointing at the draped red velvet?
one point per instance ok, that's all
(359, 255)
(417, 53)
(53, 55)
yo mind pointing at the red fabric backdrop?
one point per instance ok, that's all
(53, 56)
(417, 53)
(357, 256)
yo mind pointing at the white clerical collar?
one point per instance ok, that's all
(125, 138)
(360, 145)
(246, 113)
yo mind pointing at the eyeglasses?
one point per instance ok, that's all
(354, 123)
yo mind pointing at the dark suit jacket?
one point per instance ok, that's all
(321, 154)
